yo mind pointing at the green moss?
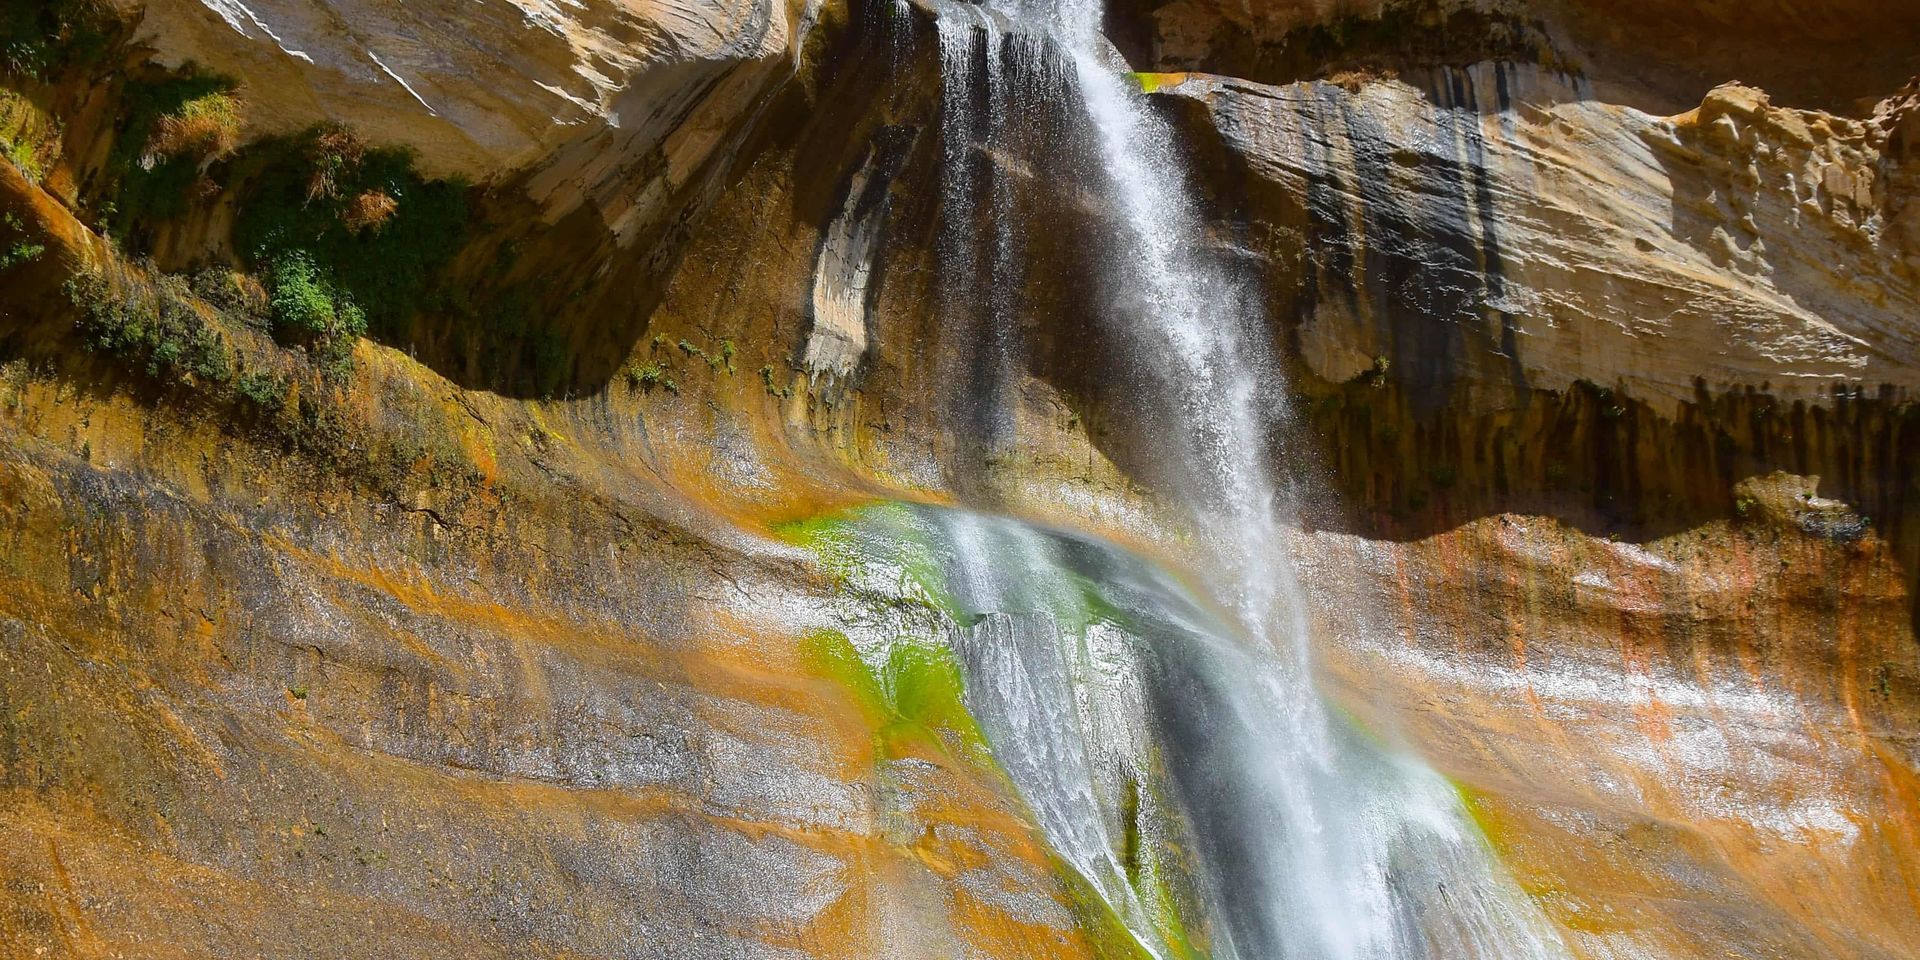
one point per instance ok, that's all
(1476, 810)
(1105, 931)
(914, 697)
(829, 538)
(1164, 907)
(1151, 82)
(922, 681)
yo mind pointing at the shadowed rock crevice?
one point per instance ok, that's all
(1662, 57)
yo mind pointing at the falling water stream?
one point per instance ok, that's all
(1170, 741)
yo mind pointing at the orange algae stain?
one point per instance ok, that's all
(1903, 787)
(845, 928)
(754, 668)
(67, 903)
(994, 933)
(186, 736)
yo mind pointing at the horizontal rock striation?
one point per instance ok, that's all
(422, 655)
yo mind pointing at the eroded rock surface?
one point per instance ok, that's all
(1536, 237)
(1613, 372)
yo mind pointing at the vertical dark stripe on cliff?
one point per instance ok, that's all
(1493, 266)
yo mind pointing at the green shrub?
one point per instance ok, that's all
(645, 376)
(20, 250)
(171, 124)
(203, 128)
(28, 137)
(41, 37)
(264, 390)
(309, 195)
(301, 300)
(306, 306)
(773, 388)
(153, 324)
(237, 296)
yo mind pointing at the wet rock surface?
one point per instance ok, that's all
(1613, 375)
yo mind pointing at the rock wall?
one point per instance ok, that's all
(426, 660)
(1555, 238)
(1662, 58)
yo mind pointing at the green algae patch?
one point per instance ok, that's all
(830, 655)
(1476, 810)
(882, 549)
(829, 538)
(1094, 607)
(913, 697)
(1155, 82)
(1152, 871)
(1106, 932)
(1165, 911)
(1109, 934)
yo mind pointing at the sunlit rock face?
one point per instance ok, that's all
(480, 88)
(1534, 237)
(1696, 741)
(1600, 367)
(1523, 299)
(630, 108)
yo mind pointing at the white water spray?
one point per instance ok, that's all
(1312, 841)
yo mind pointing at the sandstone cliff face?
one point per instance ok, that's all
(1613, 376)
(1557, 238)
(1835, 56)
(487, 88)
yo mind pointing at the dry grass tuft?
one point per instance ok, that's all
(334, 153)
(206, 128)
(369, 211)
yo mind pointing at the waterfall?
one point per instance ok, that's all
(1134, 718)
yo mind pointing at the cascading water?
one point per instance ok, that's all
(1134, 718)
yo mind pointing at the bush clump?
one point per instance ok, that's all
(306, 306)
(202, 129)
(151, 323)
(366, 222)
(176, 124)
(29, 139)
(41, 37)
(238, 296)
(16, 247)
